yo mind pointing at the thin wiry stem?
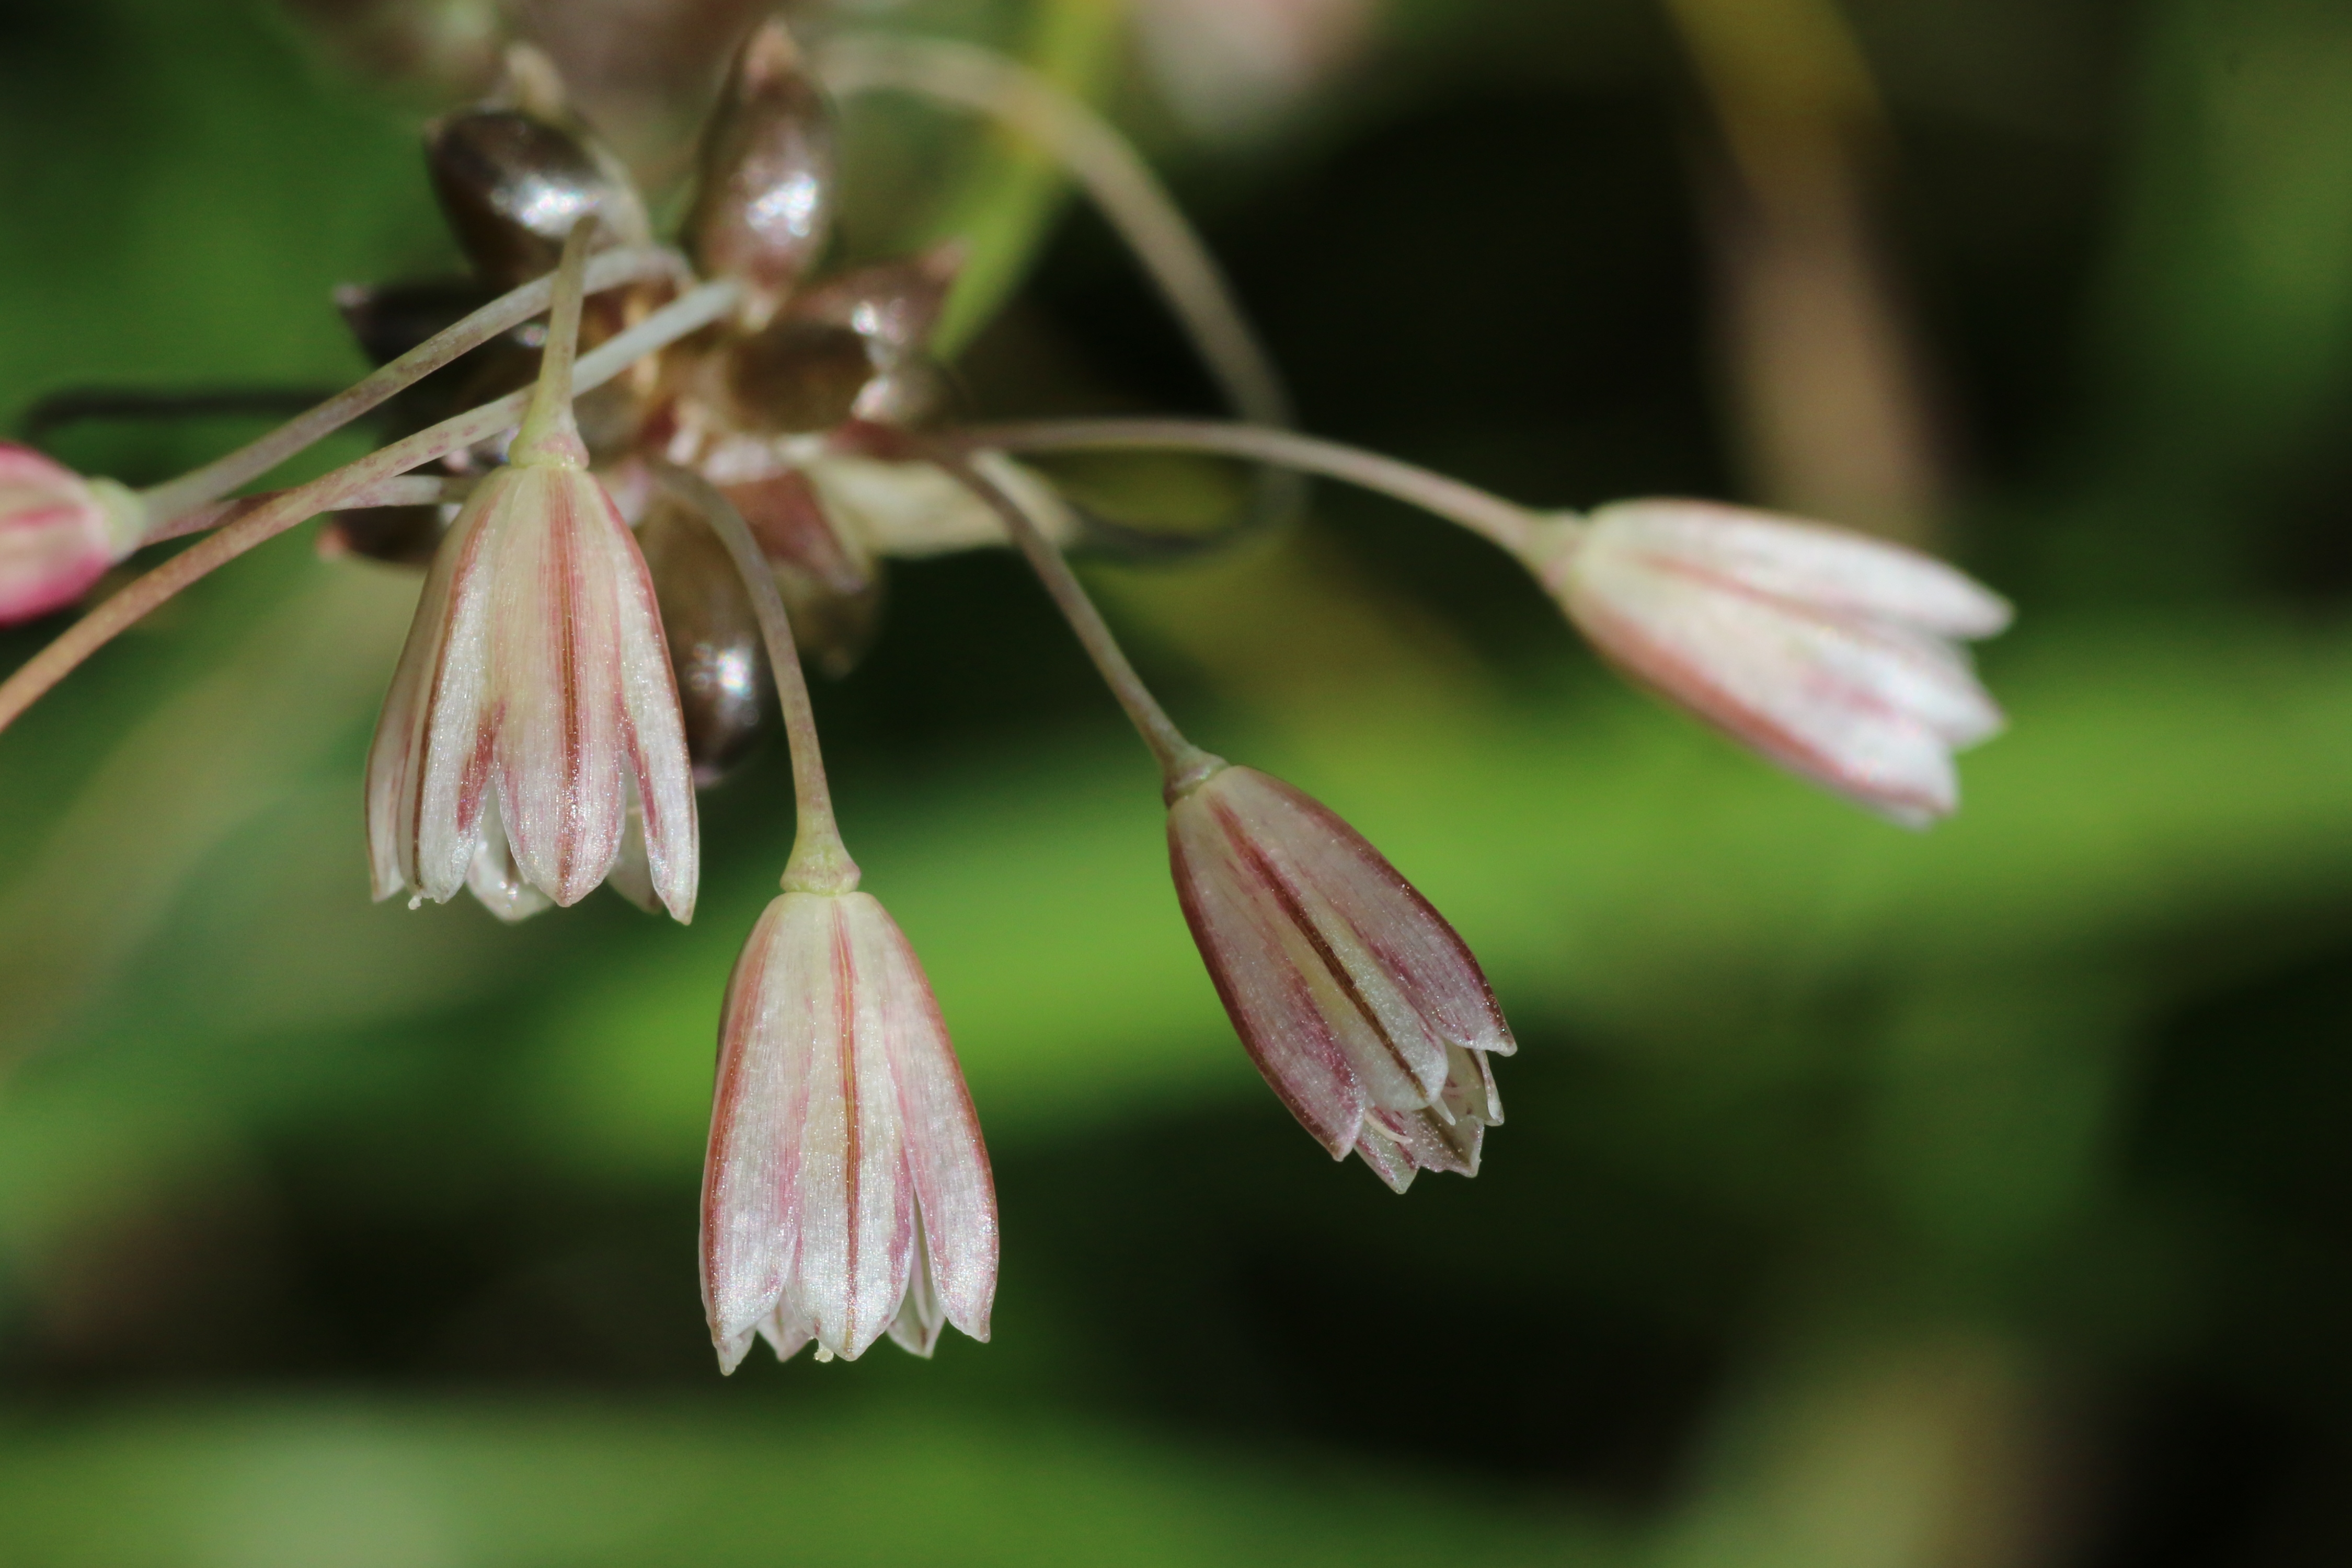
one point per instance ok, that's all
(688, 314)
(548, 431)
(1137, 206)
(820, 861)
(167, 502)
(1182, 764)
(1130, 196)
(1508, 524)
(416, 490)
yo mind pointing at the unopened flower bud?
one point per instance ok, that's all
(58, 532)
(723, 682)
(846, 1191)
(512, 185)
(1834, 656)
(1366, 1013)
(764, 205)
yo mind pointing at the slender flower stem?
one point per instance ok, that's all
(1511, 526)
(549, 433)
(167, 503)
(686, 314)
(1182, 764)
(820, 861)
(416, 490)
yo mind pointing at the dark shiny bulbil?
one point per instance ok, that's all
(724, 684)
(893, 303)
(797, 376)
(512, 186)
(763, 204)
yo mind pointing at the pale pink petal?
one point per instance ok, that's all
(494, 879)
(854, 1205)
(396, 757)
(947, 1161)
(555, 651)
(458, 726)
(1248, 947)
(1822, 698)
(758, 1107)
(916, 1327)
(57, 533)
(631, 877)
(1387, 1159)
(786, 1335)
(660, 776)
(1804, 562)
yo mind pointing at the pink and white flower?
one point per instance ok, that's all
(58, 532)
(533, 714)
(848, 1191)
(1834, 656)
(1365, 1011)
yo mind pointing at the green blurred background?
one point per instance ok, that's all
(1868, 1200)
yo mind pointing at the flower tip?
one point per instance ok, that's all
(732, 1349)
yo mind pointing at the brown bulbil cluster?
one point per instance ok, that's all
(795, 409)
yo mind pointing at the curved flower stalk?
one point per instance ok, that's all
(846, 1190)
(533, 712)
(1365, 1012)
(1834, 656)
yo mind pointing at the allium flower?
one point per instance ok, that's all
(1834, 656)
(1365, 1011)
(58, 532)
(846, 1190)
(534, 708)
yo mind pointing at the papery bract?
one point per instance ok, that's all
(846, 1191)
(532, 710)
(1359, 1004)
(1833, 654)
(58, 532)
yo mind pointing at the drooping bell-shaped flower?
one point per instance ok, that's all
(58, 532)
(848, 1191)
(1834, 656)
(1359, 1004)
(533, 712)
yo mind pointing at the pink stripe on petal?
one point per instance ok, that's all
(458, 709)
(744, 1179)
(1807, 562)
(556, 663)
(654, 729)
(1286, 1036)
(1356, 999)
(1740, 674)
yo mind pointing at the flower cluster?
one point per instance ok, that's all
(638, 520)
